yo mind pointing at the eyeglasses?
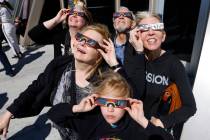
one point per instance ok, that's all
(90, 42)
(112, 102)
(76, 13)
(124, 14)
(155, 27)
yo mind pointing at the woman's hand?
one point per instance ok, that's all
(61, 15)
(136, 112)
(108, 52)
(86, 104)
(135, 40)
(156, 122)
(4, 123)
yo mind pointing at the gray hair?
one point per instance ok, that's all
(123, 7)
(145, 14)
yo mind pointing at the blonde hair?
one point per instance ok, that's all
(145, 14)
(80, 4)
(114, 83)
(100, 28)
(104, 31)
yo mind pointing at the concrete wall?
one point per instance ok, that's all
(198, 127)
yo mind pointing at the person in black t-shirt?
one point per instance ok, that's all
(162, 69)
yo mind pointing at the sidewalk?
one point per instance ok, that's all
(27, 69)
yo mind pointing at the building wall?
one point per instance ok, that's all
(197, 128)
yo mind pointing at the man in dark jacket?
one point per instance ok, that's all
(123, 22)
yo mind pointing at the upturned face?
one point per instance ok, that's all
(122, 20)
(76, 18)
(111, 112)
(85, 47)
(152, 39)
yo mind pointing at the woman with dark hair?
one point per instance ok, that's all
(48, 32)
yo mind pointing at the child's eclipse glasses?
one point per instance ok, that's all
(112, 102)
(155, 27)
(124, 14)
(76, 13)
(88, 41)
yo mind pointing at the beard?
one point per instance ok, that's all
(122, 29)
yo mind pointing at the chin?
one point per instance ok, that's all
(111, 121)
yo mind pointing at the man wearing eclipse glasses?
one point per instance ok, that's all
(123, 22)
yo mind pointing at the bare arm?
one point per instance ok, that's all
(61, 16)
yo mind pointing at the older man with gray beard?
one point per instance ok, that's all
(123, 22)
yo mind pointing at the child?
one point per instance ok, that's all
(109, 113)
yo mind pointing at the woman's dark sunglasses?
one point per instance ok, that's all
(76, 13)
(90, 42)
(112, 102)
(124, 14)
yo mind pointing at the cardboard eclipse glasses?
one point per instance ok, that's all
(155, 27)
(124, 14)
(90, 42)
(112, 102)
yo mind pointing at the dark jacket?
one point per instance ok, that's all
(40, 93)
(31, 101)
(134, 68)
(92, 126)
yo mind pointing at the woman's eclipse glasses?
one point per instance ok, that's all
(90, 42)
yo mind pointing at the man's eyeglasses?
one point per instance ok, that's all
(76, 13)
(155, 27)
(90, 42)
(124, 14)
(112, 102)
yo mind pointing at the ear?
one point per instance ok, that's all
(164, 36)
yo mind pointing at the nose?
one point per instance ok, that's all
(121, 16)
(110, 109)
(150, 32)
(82, 42)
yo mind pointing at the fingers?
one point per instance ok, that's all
(101, 52)
(5, 132)
(128, 109)
(91, 99)
(107, 45)
(132, 101)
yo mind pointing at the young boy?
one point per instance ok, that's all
(108, 114)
